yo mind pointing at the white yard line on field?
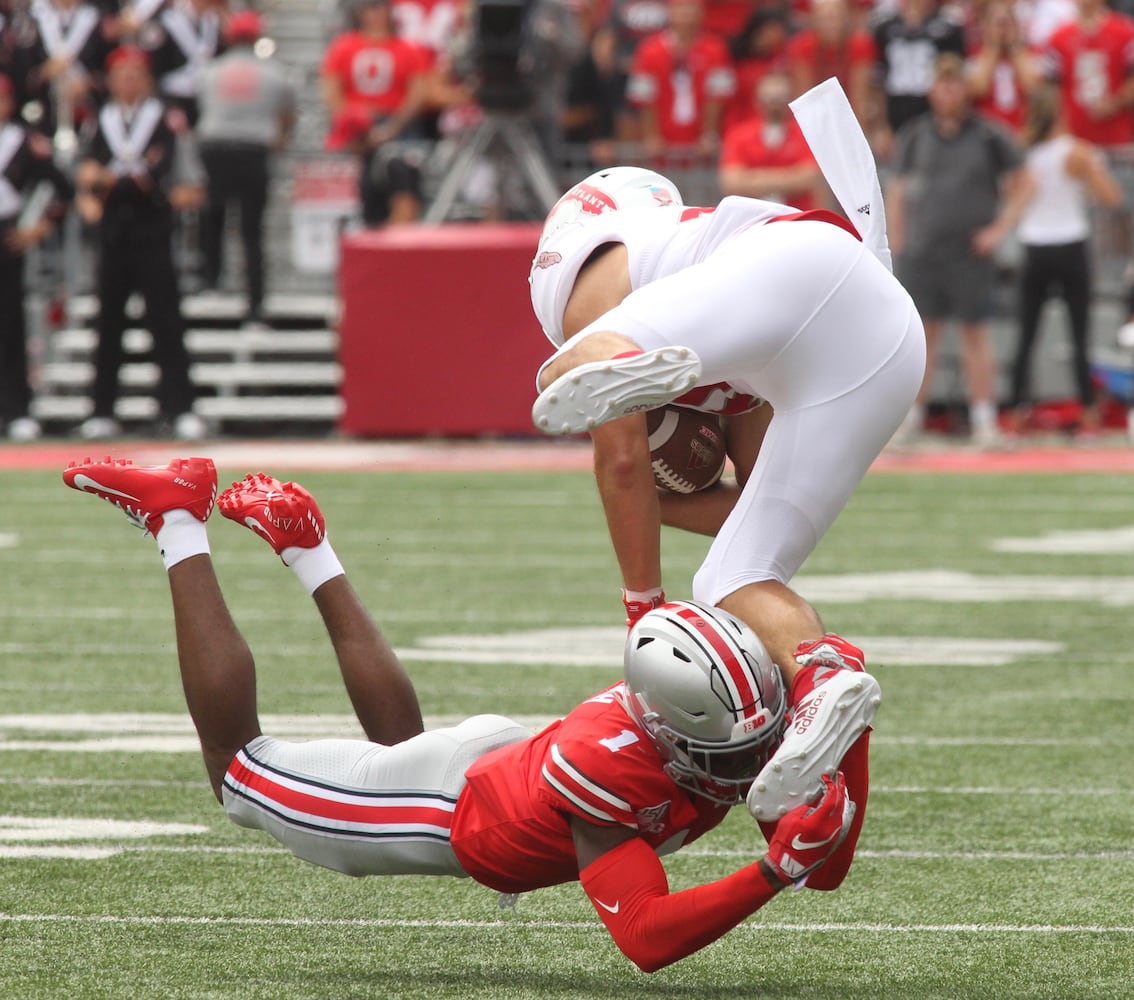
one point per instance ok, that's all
(820, 927)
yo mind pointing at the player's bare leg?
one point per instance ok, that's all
(287, 516)
(829, 712)
(172, 503)
(779, 616)
(218, 675)
(379, 688)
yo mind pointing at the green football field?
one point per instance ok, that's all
(997, 858)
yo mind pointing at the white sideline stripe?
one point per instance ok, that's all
(588, 925)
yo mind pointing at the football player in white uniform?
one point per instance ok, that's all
(651, 302)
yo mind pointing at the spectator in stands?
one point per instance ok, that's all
(122, 179)
(594, 113)
(908, 44)
(374, 88)
(1003, 72)
(767, 156)
(1068, 173)
(61, 48)
(132, 14)
(247, 112)
(957, 192)
(181, 39)
(8, 43)
(1093, 59)
(633, 21)
(1040, 18)
(832, 46)
(759, 47)
(681, 79)
(27, 215)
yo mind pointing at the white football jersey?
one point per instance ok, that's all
(660, 241)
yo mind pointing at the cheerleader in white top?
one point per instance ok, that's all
(1054, 230)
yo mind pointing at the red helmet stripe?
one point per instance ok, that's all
(736, 669)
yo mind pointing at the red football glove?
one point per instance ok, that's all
(809, 834)
(831, 650)
(637, 603)
(818, 659)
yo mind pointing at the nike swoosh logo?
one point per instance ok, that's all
(607, 906)
(257, 526)
(806, 845)
(85, 483)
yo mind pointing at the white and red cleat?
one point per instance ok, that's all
(824, 724)
(598, 391)
(283, 513)
(146, 492)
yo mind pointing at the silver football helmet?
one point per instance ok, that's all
(608, 190)
(705, 690)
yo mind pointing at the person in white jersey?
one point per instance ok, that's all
(791, 324)
(1068, 174)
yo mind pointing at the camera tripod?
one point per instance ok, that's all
(507, 131)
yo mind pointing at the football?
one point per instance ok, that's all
(687, 448)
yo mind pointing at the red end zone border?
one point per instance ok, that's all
(1115, 457)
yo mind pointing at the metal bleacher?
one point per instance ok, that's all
(282, 379)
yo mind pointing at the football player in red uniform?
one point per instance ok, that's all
(638, 770)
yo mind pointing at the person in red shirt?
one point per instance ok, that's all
(374, 88)
(1093, 59)
(634, 772)
(767, 155)
(681, 79)
(1002, 71)
(760, 46)
(832, 46)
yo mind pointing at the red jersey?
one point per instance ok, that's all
(375, 75)
(823, 60)
(1005, 101)
(753, 143)
(726, 17)
(1092, 65)
(749, 72)
(511, 829)
(679, 85)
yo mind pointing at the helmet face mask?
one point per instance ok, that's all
(708, 695)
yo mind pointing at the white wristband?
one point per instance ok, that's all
(314, 567)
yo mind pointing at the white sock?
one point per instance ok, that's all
(314, 567)
(181, 536)
(982, 414)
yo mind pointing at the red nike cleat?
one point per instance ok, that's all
(146, 492)
(283, 513)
